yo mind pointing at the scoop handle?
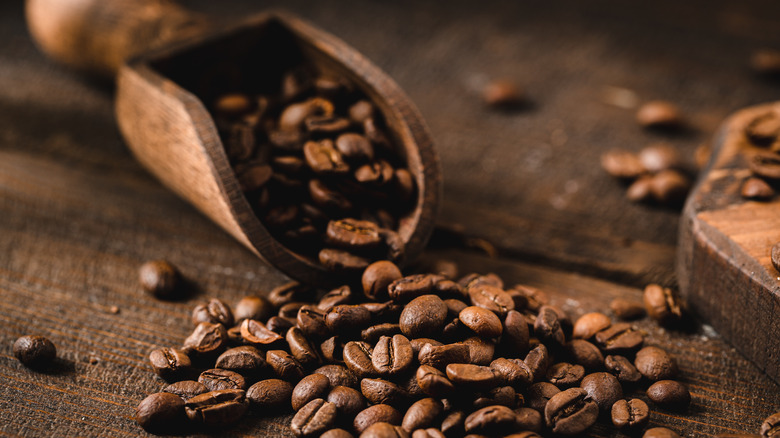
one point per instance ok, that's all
(98, 36)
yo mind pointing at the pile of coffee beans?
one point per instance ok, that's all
(423, 355)
(316, 163)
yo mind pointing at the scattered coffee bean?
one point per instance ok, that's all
(314, 418)
(309, 388)
(602, 388)
(757, 189)
(380, 391)
(346, 318)
(207, 339)
(570, 412)
(565, 375)
(660, 432)
(253, 307)
(374, 332)
(217, 407)
(380, 413)
(662, 304)
(244, 359)
(539, 394)
(433, 381)
(338, 296)
(159, 278)
(623, 369)
(630, 415)
(619, 338)
(622, 164)
(589, 324)
(481, 351)
(669, 394)
(503, 94)
(336, 433)
(338, 375)
(770, 428)
(170, 363)
(422, 414)
(256, 333)
(548, 326)
(358, 358)
(659, 157)
(491, 297)
(655, 364)
(512, 372)
(377, 277)
(482, 321)
(215, 311)
(472, 375)
(34, 351)
(529, 419)
(585, 354)
(627, 310)
(659, 114)
(538, 360)
(384, 430)
(392, 356)
(160, 412)
(219, 379)
(491, 420)
(186, 389)
(301, 349)
(423, 316)
(270, 394)
(284, 365)
(515, 337)
(348, 401)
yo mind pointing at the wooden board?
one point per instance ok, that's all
(79, 214)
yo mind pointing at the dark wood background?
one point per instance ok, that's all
(78, 215)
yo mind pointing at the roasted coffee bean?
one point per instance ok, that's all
(526, 434)
(292, 118)
(354, 147)
(491, 297)
(655, 364)
(256, 333)
(384, 312)
(502, 395)
(512, 372)
(380, 413)
(407, 288)
(669, 394)
(547, 326)
(770, 428)
(539, 394)
(348, 401)
(619, 338)
(623, 369)
(662, 304)
(289, 292)
(481, 321)
(218, 379)
(270, 394)
(341, 261)
(186, 389)
(253, 307)
(170, 363)
(301, 349)
(234, 335)
(622, 164)
(428, 433)
(629, 415)
(284, 365)
(503, 94)
(207, 339)
(454, 307)
(529, 419)
(570, 412)
(323, 157)
(360, 111)
(326, 125)
(660, 156)
(392, 356)
(491, 420)
(659, 114)
(565, 375)
(383, 391)
(347, 318)
(336, 433)
(604, 389)
(472, 375)
(309, 388)
(433, 381)
(641, 190)
(422, 414)
(328, 198)
(358, 358)
(419, 343)
(515, 336)
(669, 186)
(377, 277)
(256, 176)
(764, 129)
(423, 316)
(332, 349)
(376, 173)
(244, 359)
(290, 310)
(352, 234)
(384, 430)
(314, 418)
(453, 423)
(627, 310)
(589, 324)
(215, 311)
(373, 333)
(160, 279)
(538, 360)
(481, 351)
(311, 321)
(279, 325)
(338, 296)
(217, 407)
(160, 412)
(756, 189)
(586, 354)
(338, 375)
(233, 104)
(35, 351)
(660, 432)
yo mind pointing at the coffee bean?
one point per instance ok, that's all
(565, 375)
(233, 104)
(659, 114)
(660, 432)
(338, 296)
(327, 198)
(623, 369)
(309, 388)
(253, 307)
(338, 375)
(244, 359)
(256, 176)
(347, 318)
(289, 292)
(627, 310)
(453, 423)
(433, 381)
(481, 351)
(410, 287)
(215, 311)
(603, 388)
(160, 412)
(526, 434)
(570, 412)
(361, 111)
(770, 428)
(662, 304)
(186, 389)
(218, 379)
(513, 372)
(502, 395)
(538, 360)
(655, 364)
(349, 401)
(270, 394)
(384, 430)
(323, 157)
(358, 358)
(515, 337)
(472, 375)
(423, 316)
(292, 118)
(503, 94)
(547, 326)
(373, 333)
(756, 189)
(290, 310)
(301, 349)
(256, 333)
(491, 298)
(277, 325)
(539, 394)
(384, 312)
(629, 415)
(353, 234)
(380, 413)
(622, 164)
(34, 351)
(421, 414)
(377, 277)
(383, 391)
(490, 420)
(585, 354)
(314, 418)
(589, 324)
(217, 407)
(660, 156)
(336, 433)
(284, 365)
(641, 190)
(482, 321)
(392, 356)
(764, 129)
(669, 394)
(669, 186)
(170, 363)
(159, 278)
(618, 338)
(207, 339)
(529, 419)
(354, 147)
(341, 261)
(428, 433)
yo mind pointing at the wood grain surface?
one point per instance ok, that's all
(79, 215)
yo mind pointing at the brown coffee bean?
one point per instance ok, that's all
(618, 338)
(529, 419)
(373, 333)
(428, 433)
(765, 164)
(270, 394)
(502, 395)
(641, 190)
(244, 359)
(159, 278)
(353, 234)
(336, 433)
(232, 104)
(622, 164)
(392, 356)
(764, 129)
(407, 288)
(669, 186)
(278, 325)
(669, 394)
(340, 295)
(309, 388)
(253, 307)
(629, 415)
(256, 176)
(323, 157)
(491, 420)
(474, 280)
(433, 382)
(565, 375)
(341, 261)
(338, 375)
(384, 312)
(215, 311)
(481, 351)
(603, 388)
(349, 401)
(360, 111)
(548, 327)
(423, 316)
(585, 354)
(421, 414)
(301, 348)
(770, 428)
(623, 369)
(290, 310)
(256, 333)
(515, 337)
(756, 189)
(659, 114)
(160, 412)
(289, 292)
(570, 412)
(659, 157)
(526, 434)
(512, 372)
(347, 318)
(589, 324)
(419, 343)
(384, 430)
(539, 394)
(472, 375)
(481, 321)
(377, 277)
(170, 363)
(325, 125)
(284, 365)
(662, 304)
(292, 118)
(207, 339)
(354, 147)
(382, 391)
(217, 407)
(627, 310)
(503, 94)
(655, 364)
(186, 389)
(491, 298)
(453, 423)
(311, 321)
(218, 379)
(380, 413)
(538, 360)
(660, 432)
(314, 418)
(358, 358)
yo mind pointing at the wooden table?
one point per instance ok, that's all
(79, 215)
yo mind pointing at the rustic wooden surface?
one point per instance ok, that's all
(79, 214)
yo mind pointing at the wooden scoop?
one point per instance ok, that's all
(159, 53)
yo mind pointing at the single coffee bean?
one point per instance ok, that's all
(325, 125)
(491, 298)
(623, 369)
(384, 312)
(278, 325)
(515, 337)
(428, 433)
(502, 395)
(503, 94)
(243, 359)
(340, 295)
(659, 114)
(627, 310)
(382, 391)
(764, 129)
(422, 414)
(526, 434)
(585, 354)
(770, 428)
(341, 261)
(655, 364)
(346, 318)
(217, 379)
(160, 412)
(669, 394)
(660, 156)
(512, 372)
(186, 389)
(256, 333)
(619, 338)
(207, 339)
(423, 316)
(311, 321)
(354, 147)
(337, 433)
(290, 310)
(309, 388)
(256, 176)
(338, 375)
(217, 407)
(292, 118)
(215, 311)
(472, 375)
(349, 401)
(565, 375)
(377, 277)
(410, 287)
(419, 343)
(630, 415)
(662, 304)
(602, 388)
(529, 419)
(756, 189)
(301, 349)
(352, 234)
(360, 111)
(660, 432)
(323, 157)
(491, 420)
(253, 307)
(538, 360)
(34, 351)
(539, 394)
(433, 381)
(159, 278)
(374, 332)
(570, 412)
(481, 321)
(170, 363)
(284, 365)
(589, 324)
(641, 190)
(380, 413)
(453, 423)
(314, 418)
(548, 327)
(669, 186)
(290, 292)
(475, 280)
(384, 430)
(392, 356)
(481, 351)
(270, 394)
(358, 358)
(332, 350)
(622, 164)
